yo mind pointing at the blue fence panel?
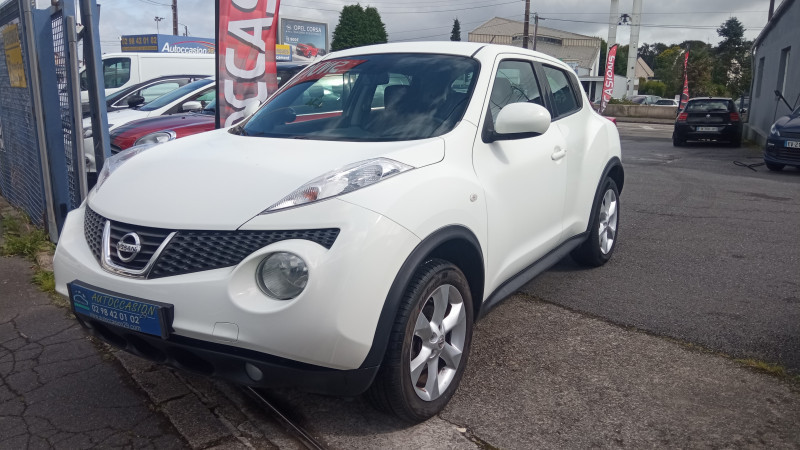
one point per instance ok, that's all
(21, 179)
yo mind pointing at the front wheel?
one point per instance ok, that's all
(603, 229)
(429, 344)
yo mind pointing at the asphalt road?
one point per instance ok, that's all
(708, 256)
(709, 252)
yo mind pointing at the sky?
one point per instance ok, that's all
(670, 21)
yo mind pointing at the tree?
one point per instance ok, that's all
(455, 35)
(621, 62)
(732, 63)
(358, 26)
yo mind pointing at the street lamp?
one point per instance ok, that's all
(185, 29)
(157, 19)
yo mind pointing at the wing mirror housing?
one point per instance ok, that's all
(519, 120)
(193, 105)
(135, 101)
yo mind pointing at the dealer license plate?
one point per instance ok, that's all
(793, 144)
(707, 129)
(128, 312)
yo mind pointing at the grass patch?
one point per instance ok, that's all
(21, 238)
(45, 280)
(771, 369)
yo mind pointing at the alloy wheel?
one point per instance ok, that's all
(608, 221)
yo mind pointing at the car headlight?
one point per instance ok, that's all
(156, 138)
(114, 162)
(774, 131)
(341, 181)
(282, 275)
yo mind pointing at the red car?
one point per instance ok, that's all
(307, 50)
(158, 129)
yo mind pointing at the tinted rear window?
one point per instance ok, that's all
(710, 105)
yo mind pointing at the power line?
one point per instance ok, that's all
(688, 27)
(408, 12)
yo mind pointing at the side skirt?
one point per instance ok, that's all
(513, 284)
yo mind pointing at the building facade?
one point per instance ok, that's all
(776, 66)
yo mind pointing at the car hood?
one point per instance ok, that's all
(790, 124)
(219, 181)
(120, 117)
(140, 127)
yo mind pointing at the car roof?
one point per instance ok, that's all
(469, 49)
(710, 98)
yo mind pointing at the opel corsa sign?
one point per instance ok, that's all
(128, 247)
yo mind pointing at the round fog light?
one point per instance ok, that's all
(282, 275)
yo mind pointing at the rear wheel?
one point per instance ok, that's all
(602, 240)
(429, 344)
(677, 142)
(737, 141)
(774, 166)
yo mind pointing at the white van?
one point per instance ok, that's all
(121, 70)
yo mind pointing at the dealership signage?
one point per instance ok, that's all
(167, 43)
(308, 40)
(246, 67)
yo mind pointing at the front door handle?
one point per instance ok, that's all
(558, 153)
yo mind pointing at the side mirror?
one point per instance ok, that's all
(135, 101)
(518, 120)
(193, 105)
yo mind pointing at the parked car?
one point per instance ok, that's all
(708, 119)
(190, 97)
(122, 70)
(645, 99)
(666, 102)
(307, 50)
(783, 142)
(159, 129)
(341, 246)
(144, 92)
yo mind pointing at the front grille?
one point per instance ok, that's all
(150, 239)
(787, 154)
(193, 251)
(790, 135)
(190, 250)
(93, 224)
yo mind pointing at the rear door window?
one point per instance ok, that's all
(565, 98)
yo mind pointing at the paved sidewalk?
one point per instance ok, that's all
(57, 389)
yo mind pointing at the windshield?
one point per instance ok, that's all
(166, 99)
(388, 97)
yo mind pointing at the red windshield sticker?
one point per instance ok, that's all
(334, 67)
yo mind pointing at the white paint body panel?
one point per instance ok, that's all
(518, 201)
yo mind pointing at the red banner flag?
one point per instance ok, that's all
(246, 68)
(685, 93)
(608, 83)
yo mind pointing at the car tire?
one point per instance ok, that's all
(676, 142)
(736, 142)
(603, 229)
(438, 292)
(774, 166)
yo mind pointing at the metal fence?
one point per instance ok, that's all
(21, 175)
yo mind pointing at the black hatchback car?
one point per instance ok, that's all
(783, 142)
(708, 119)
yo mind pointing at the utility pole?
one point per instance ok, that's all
(175, 17)
(527, 23)
(771, 10)
(157, 19)
(613, 18)
(535, 28)
(633, 46)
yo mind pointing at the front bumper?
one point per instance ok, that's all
(324, 333)
(776, 151)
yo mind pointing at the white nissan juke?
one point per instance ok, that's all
(345, 237)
